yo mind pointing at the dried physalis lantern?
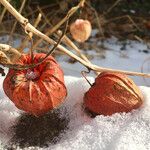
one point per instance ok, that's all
(80, 30)
(112, 93)
(37, 90)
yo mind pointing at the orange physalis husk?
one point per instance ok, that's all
(112, 93)
(36, 90)
(81, 30)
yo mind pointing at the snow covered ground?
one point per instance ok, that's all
(76, 130)
(125, 131)
(127, 55)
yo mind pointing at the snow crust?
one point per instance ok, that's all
(121, 131)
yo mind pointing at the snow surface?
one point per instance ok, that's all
(121, 131)
(124, 55)
(125, 131)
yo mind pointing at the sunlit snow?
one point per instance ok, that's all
(121, 131)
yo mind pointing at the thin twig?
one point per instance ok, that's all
(32, 65)
(3, 13)
(97, 18)
(69, 14)
(61, 37)
(31, 49)
(43, 7)
(84, 75)
(30, 28)
(38, 19)
(74, 47)
(23, 44)
(14, 26)
(138, 38)
(125, 16)
(66, 40)
(131, 20)
(114, 5)
(142, 67)
(40, 10)
(15, 34)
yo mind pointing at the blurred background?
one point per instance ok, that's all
(120, 32)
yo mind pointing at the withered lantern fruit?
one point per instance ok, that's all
(36, 90)
(80, 30)
(112, 93)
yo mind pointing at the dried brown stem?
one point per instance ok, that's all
(40, 10)
(97, 18)
(59, 41)
(32, 65)
(142, 68)
(38, 19)
(3, 13)
(30, 28)
(11, 53)
(125, 16)
(14, 26)
(114, 5)
(15, 34)
(23, 44)
(69, 43)
(84, 76)
(69, 14)
(43, 7)
(66, 40)
(138, 38)
(56, 27)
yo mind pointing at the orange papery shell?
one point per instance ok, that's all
(80, 30)
(112, 93)
(36, 90)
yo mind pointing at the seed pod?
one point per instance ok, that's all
(36, 90)
(80, 30)
(112, 93)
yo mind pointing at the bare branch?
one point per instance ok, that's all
(3, 13)
(14, 26)
(30, 28)
(69, 14)
(66, 40)
(11, 53)
(23, 44)
(97, 18)
(114, 5)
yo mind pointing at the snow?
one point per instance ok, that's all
(127, 55)
(121, 131)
